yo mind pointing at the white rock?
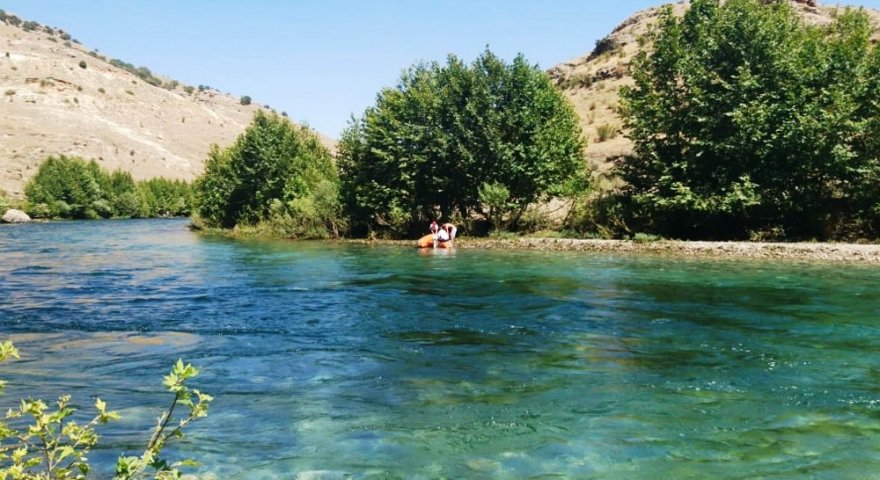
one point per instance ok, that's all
(15, 216)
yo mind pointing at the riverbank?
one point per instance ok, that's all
(824, 252)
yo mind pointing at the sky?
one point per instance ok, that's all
(322, 61)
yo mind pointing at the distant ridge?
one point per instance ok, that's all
(59, 97)
(593, 80)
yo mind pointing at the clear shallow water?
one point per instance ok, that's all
(346, 361)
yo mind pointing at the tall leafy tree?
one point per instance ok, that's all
(430, 144)
(743, 119)
(270, 166)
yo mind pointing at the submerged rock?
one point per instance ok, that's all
(15, 216)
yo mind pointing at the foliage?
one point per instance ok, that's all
(70, 187)
(55, 446)
(606, 132)
(495, 197)
(645, 238)
(274, 172)
(166, 198)
(4, 202)
(82, 64)
(143, 73)
(746, 120)
(429, 145)
(245, 100)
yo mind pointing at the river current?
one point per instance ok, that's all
(333, 360)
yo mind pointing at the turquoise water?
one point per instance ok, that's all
(348, 361)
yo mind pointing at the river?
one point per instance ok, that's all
(332, 360)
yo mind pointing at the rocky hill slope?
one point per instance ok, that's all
(592, 82)
(59, 97)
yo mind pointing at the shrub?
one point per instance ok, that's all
(645, 238)
(495, 197)
(606, 132)
(245, 100)
(9, 92)
(189, 89)
(73, 188)
(55, 446)
(101, 90)
(273, 169)
(82, 64)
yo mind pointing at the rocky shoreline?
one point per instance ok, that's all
(813, 252)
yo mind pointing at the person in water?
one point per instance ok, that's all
(450, 229)
(443, 233)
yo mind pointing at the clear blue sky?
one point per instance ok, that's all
(323, 60)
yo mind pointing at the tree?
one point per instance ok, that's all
(271, 166)
(430, 144)
(245, 100)
(743, 121)
(70, 187)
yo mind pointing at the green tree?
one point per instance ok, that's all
(743, 120)
(166, 198)
(431, 143)
(70, 187)
(271, 167)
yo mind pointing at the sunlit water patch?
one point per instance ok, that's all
(348, 361)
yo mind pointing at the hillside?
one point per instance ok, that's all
(59, 97)
(592, 82)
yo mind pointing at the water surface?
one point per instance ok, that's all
(349, 361)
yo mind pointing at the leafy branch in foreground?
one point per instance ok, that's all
(55, 447)
(135, 467)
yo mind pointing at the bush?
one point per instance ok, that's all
(245, 100)
(606, 132)
(645, 238)
(55, 446)
(274, 169)
(495, 197)
(82, 64)
(73, 188)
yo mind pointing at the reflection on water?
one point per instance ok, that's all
(350, 361)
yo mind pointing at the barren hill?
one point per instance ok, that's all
(59, 97)
(592, 81)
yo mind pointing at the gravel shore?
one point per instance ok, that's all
(822, 252)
